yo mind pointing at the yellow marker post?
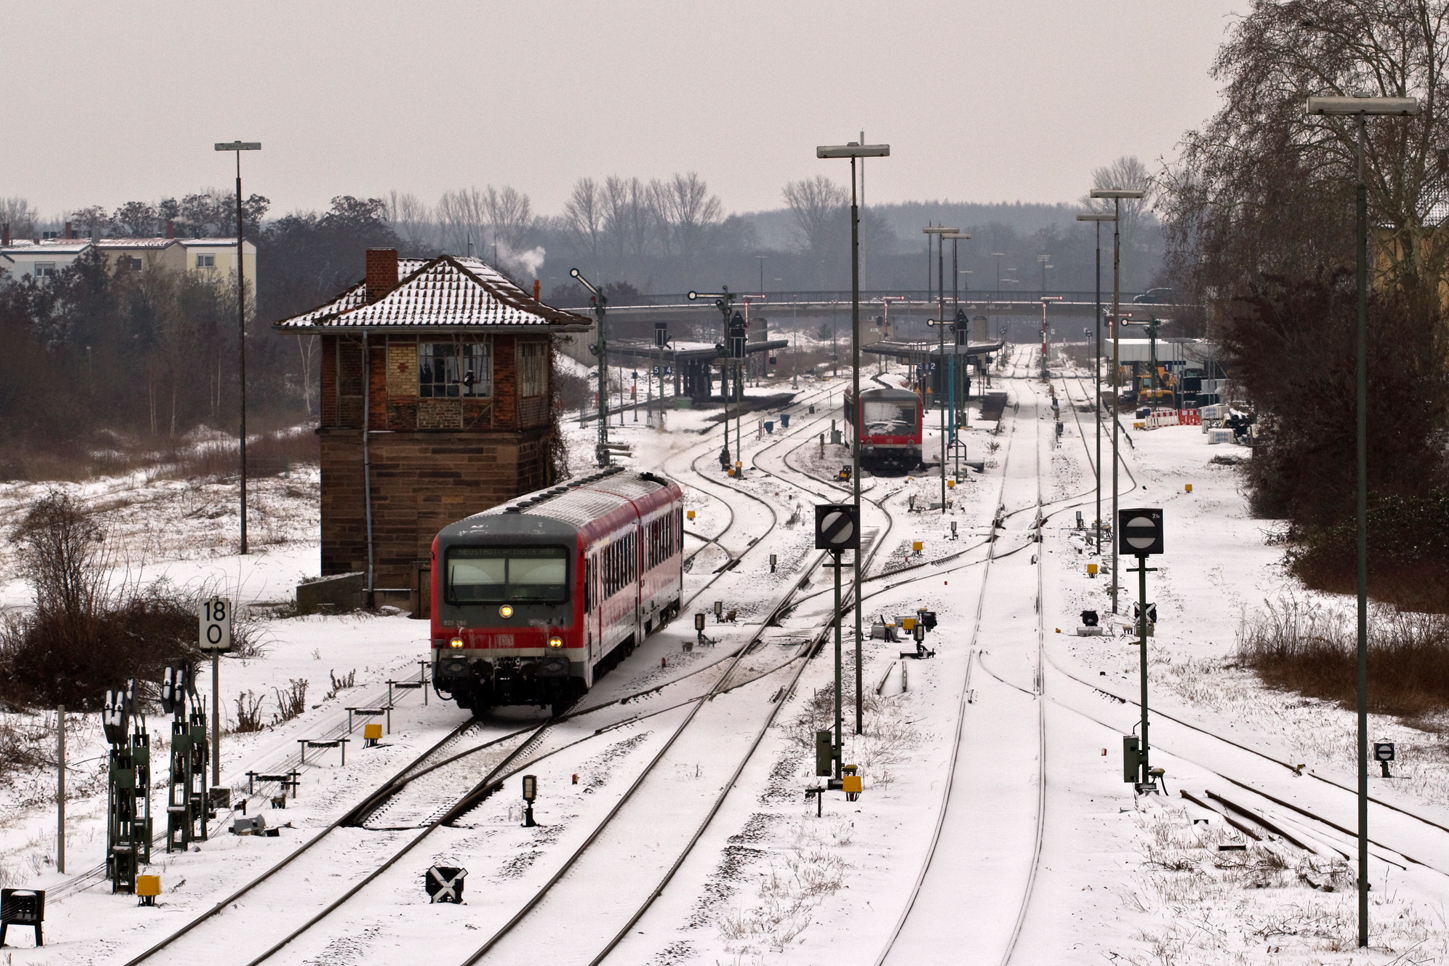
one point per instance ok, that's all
(1091, 570)
(689, 514)
(916, 546)
(1187, 487)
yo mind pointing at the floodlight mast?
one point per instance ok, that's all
(1362, 108)
(1116, 194)
(601, 449)
(854, 150)
(1097, 218)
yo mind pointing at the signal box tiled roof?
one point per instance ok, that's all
(443, 293)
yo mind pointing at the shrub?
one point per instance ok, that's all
(83, 637)
(1312, 649)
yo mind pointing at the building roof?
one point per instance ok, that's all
(215, 243)
(145, 243)
(45, 249)
(443, 293)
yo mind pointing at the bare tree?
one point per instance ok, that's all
(584, 216)
(510, 216)
(1263, 188)
(627, 215)
(463, 217)
(16, 212)
(1129, 174)
(687, 213)
(412, 221)
(818, 206)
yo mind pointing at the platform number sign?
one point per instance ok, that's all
(836, 527)
(215, 624)
(1139, 532)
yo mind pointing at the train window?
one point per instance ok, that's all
(482, 575)
(890, 418)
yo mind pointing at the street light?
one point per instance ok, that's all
(1361, 108)
(241, 317)
(1097, 218)
(956, 341)
(853, 150)
(761, 260)
(1116, 194)
(941, 234)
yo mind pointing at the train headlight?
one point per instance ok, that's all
(506, 610)
(555, 641)
(456, 643)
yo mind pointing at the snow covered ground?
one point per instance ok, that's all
(994, 825)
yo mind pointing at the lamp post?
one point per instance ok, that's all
(601, 449)
(941, 234)
(761, 260)
(1116, 194)
(241, 320)
(1361, 108)
(854, 151)
(1097, 218)
(956, 317)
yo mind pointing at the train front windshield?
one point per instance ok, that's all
(494, 575)
(889, 418)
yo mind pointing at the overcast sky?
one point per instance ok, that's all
(112, 101)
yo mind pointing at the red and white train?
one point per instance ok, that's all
(890, 427)
(534, 600)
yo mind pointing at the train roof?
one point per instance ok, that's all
(888, 393)
(564, 508)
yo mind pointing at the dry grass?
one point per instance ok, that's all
(1312, 649)
(291, 702)
(274, 454)
(248, 712)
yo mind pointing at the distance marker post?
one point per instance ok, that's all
(215, 636)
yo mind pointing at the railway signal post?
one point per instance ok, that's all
(601, 449)
(1139, 533)
(837, 529)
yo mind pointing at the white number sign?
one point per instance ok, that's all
(216, 624)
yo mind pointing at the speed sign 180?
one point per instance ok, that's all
(215, 630)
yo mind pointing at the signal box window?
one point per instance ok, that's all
(532, 374)
(205, 261)
(490, 575)
(450, 370)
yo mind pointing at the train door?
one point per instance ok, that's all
(636, 548)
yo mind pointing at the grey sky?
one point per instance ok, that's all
(113, 101)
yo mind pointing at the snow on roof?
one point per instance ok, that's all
(212, 243)
(136, 242)
(42, 250)
(446, 292)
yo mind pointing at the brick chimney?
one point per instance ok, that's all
(381, 272)
(170, 228)
(5, 235)
(68, 234)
